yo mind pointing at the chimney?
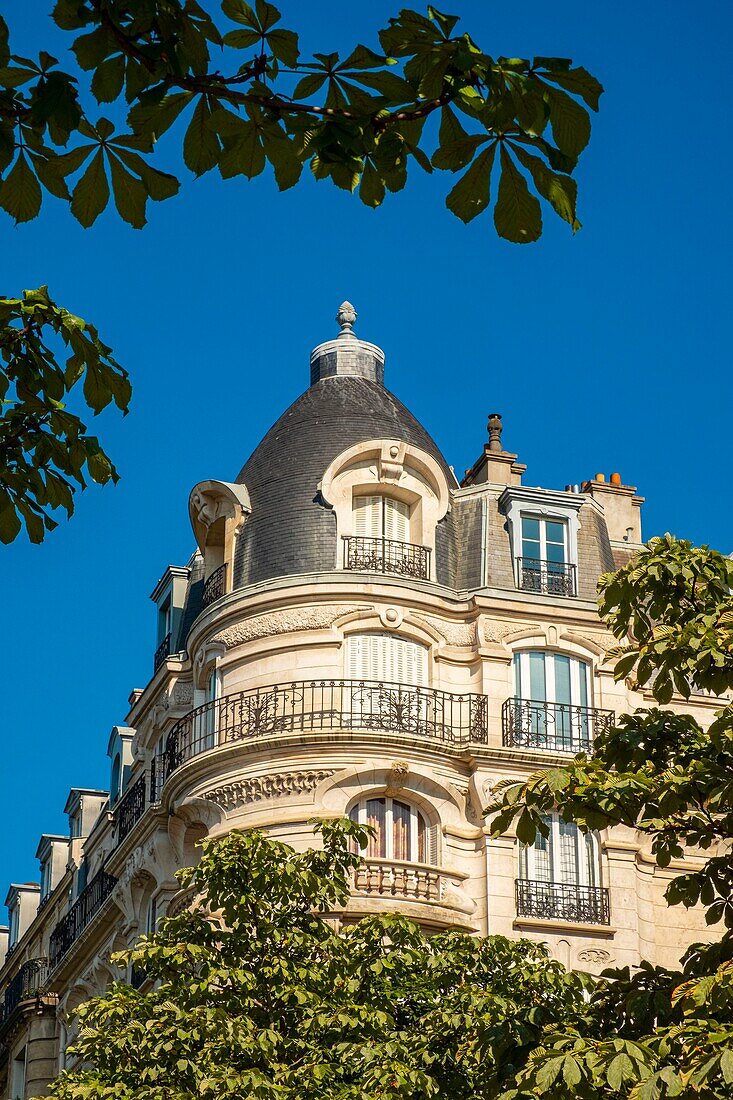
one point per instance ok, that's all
(495, 465)
(621, 508)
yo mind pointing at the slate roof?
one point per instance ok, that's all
(290, 530)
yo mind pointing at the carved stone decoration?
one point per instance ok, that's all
(397, 777)
(458, 634)
(230, 796)
(285, 622)
(182, 693)
(494, 630)
(594, 955)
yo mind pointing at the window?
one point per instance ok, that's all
(551, 709)
(17, 1076)
(401, 832)
(46, 878)
(115, 780)
(565, 856)
(381, 517)
(543, 564)
(386, 658)
(165, 619)
(151, 917)
(205, 718)
(14, 924)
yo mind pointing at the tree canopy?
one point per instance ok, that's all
(260, 995)
(231, 92)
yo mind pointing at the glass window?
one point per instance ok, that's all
(552, 693)
(544, 539)
(544, 564)
(400, 830)
(565, 856)
(46, 877)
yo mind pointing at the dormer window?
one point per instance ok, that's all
(13, 924)
(381, 540)
(543, 529)
(169, 597)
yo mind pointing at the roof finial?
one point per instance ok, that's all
(346, 317)
(495, 427)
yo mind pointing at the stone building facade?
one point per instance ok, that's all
(359, 634)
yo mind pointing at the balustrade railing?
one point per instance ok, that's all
(130, 808)
(28, 982)
(161, 653)
(552, 727)
(457, 720)
(387, 879)
(381, 555)
(81, 914)
(563, 901)
(551, 578)
(215, 586)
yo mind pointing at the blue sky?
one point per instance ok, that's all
(605, 351)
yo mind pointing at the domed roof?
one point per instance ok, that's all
(290, 530)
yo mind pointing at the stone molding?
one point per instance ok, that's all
(257, 788)
(288, 621)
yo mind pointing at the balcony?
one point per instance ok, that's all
(562, 901)
(550, 578)
(130, 808)
(215, 586)
(381, 878)
(161, 653)
(27, 984)
(380, 555)
(552, 727)
(81, 914)
(319, 706)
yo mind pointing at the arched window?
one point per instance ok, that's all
(552, 697)
(114, 785)
(386, 658)
(401, 832)
(381, 541)
(566, 856)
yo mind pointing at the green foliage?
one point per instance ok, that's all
(258, 995)
(46, 451)
(242, 98)
(656, 1033)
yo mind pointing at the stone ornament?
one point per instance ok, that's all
(594, 955)
(285, 622)
(397, 777)
(231, 796)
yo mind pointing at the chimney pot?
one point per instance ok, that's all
(600, 477)
(615, 478)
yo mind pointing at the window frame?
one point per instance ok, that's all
(418, 835)
(587, 855)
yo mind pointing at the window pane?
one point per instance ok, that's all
(530, 529)
(537, 682)
(400, 831)
(555, 532)
(422, 854)
(555, 553)
(376, 817)
(590, 855)
(562, 679)
(567, 864)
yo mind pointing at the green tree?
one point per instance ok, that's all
(258, 995)
(238, 98)
(654, 1033)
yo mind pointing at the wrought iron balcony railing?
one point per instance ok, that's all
(161, 653)
(27, 983)
(457, 720)
(130, 808)
(81, 914)
(551, 578)
(215, 586)
(379, 555)
(552, 727)
(385, 878)
(563, 901)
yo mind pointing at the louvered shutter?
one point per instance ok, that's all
(396, 520)
(368, 517)
(386, 658)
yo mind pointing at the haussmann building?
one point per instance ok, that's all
(357, 633)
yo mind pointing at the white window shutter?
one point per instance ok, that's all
(368, 517)
(396, 520)
(386, 659)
